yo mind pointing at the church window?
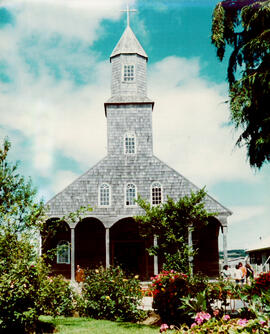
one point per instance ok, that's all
(63, 252)
(130, 143)
(129, 73)
(156, 193)
(104, 195)
(131, 194)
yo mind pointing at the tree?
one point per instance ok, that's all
(21, 274)
(170, 222)
(243, 27)
(26, 292)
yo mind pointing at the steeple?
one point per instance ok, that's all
(128, 44)
(129, 110)
(129, 71)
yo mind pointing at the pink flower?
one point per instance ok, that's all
(226, 317)
(263, 323)
(201, 316)
(193, 325)
(163, 328)
(216, 312)
(242, 322)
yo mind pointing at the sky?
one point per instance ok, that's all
(55, 77)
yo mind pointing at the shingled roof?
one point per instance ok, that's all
(116, 171)
(128, 44)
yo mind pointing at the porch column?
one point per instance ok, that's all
(225, 250)
(155, 258)
(72, 262)
(40, 245)
(190, 245)
(107, 247)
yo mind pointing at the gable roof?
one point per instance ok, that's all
(128, 44)
(118, 171)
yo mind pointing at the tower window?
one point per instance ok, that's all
(129, 73)
(63, 252)
(130, 143)
(104, 195)
(156, 193)
(131, 194)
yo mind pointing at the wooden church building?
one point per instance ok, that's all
(108, 235)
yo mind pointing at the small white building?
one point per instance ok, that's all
(259, 255)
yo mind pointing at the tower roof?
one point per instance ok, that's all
(128, 44)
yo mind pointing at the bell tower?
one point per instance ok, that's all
(129, 110)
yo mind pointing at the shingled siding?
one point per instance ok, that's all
(136, 87)
(117, 171)
(135, 119)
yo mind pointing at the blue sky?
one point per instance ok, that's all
(55, 77)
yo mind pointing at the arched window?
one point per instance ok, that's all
(156, 193)
(63, 252)
(130, 143)
(104, 195)
(131, 194)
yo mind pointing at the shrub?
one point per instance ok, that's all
(262, 282)
(170, 289)
(204, 323)
(108, 294)
(19, 299)
(26, 292)
(56, 297)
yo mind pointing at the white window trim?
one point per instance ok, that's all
(151, 193)
(134, 72)
(136, 195)
(130, 134)
(99, 198)
(60, 243)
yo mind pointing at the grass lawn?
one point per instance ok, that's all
(87, 325)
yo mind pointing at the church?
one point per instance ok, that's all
(108, 235)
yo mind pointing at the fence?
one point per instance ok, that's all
(259, 268)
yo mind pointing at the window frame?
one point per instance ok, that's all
(161, 192)
(123, 73)
(127, 136)
(99, 195)
(58, 259)
(126, 194)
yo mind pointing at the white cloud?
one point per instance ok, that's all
(188, 118)
(77, 18)
(245, 214)
(60, 117)
(62, 179)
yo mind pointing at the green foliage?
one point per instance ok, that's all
(262, 283)
(243, 26)
(19, 211)
(170, 222)
(18, 296)
(56, 297)
(25, 291)
(226, 325)
(108, 294)
(171, 291)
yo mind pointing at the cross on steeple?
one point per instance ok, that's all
(128, 11)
